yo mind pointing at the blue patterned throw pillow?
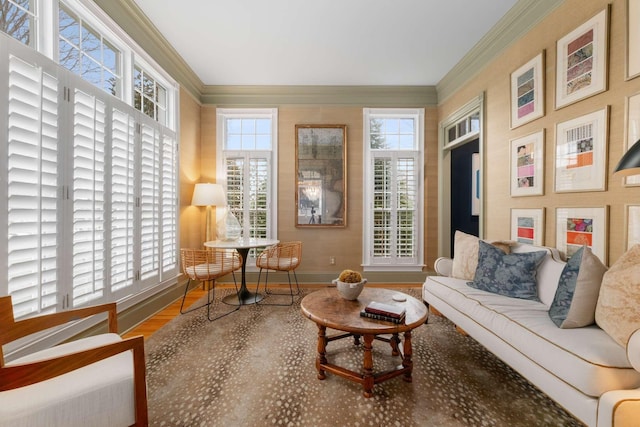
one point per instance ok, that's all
(574, 304)
(512, 275)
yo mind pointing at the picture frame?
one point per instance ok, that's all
(581, 153)
(632, 225)
(527, 165)
(581, 66)
(632, 65)
(527, 91)
(632, 131)
(576, 227)
(527, 226)
(321, 176)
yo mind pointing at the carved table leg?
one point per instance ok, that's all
(406, 360)
(368, 379)
(394, 341)
(322, 351)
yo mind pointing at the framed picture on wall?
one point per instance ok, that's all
(527, 226)
(527, 165)
(581, 66)
(581, 153)
(632, 130)
(633, 39)
(576, 227)
(527, 92)
(632, 222)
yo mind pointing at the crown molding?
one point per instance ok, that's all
(135, 23)
(371, 96)
(520, 19)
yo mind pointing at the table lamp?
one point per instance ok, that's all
(208, 195)
(629, 164)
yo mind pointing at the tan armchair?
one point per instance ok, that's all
(285, 256)
(97, 380)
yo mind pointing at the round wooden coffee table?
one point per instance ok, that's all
(329, 310)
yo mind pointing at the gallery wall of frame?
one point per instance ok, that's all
(578, 142)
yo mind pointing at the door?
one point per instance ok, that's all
(463, 191)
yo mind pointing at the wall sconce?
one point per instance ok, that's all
(208, 195)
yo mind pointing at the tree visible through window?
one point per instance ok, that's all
(17, 19)
(149, 96)
(87, 53)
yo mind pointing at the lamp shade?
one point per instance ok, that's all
(208, 195)
(630, 163)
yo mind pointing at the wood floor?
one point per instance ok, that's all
(155, 322)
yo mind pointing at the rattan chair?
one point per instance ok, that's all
(284, 256)
(207, 265)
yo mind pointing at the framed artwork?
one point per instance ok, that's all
(581, 66)
(527, 165)
(633, 39)
(632, 221)
(576, 227)
(527, 92)
(527, 226)
(321, 189)
(632, 131)
(581, 153)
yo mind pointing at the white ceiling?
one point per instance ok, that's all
(323, 42)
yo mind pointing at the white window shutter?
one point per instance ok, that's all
(169, 204)
(88, 250)
(149, 201)
(122, 200)
(32, 188)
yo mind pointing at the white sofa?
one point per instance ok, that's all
(583, 369)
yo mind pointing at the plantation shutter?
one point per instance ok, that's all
(88, 197)
(382, 208)
(169, 203)
(235, 186)
(394, 208)
(149, 201)
(259, 197)
(122, 200)
(32, 188)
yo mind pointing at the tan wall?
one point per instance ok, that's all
(494, 81)
(345, 244)
(191, 217)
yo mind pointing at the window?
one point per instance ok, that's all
(89, 212)
(18, 19)
(247, 143)
(85, 52)
(149, 96)
(393, 182)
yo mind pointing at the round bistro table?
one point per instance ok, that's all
(329, 310)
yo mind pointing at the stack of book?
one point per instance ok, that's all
(382, 311)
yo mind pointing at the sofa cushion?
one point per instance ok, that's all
(465, 256)
(586, 358)
(574, 305)
(512, 275)
(617, 309)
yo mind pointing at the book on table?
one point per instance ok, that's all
(384, 309)
(377, 316)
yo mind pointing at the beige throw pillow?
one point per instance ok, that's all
(465, 254)
(617, 311)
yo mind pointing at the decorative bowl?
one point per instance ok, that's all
(349, 291)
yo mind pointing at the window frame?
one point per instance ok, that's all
(222, 153)
(369, 262)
